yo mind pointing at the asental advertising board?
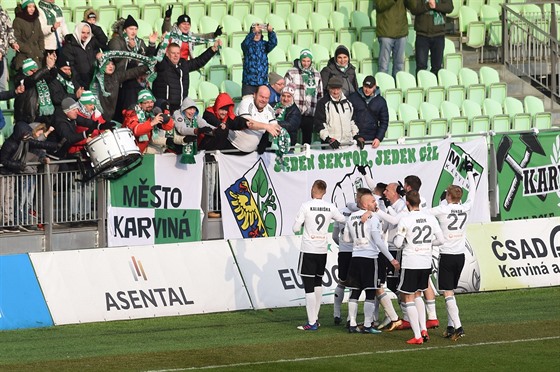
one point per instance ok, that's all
(140, 282)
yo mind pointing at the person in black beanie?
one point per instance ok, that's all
(340, 66)
(126, 39)
(180, 32)
(65, 85)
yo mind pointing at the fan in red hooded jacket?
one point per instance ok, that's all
(142, 120)
(222, 117)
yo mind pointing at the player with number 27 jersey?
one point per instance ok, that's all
(452, 218)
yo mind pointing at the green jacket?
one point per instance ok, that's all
(424, 20)
(391, 18)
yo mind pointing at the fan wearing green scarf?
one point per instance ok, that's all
(143, 122)
(429, 24)
(36, 100)
(190, 125)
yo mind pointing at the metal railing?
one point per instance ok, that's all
(530, 44)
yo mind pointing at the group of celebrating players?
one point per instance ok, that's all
(388, 236)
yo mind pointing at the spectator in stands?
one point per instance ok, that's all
(340, 66)
(35, 103)
(87, 109)
(333, 117)
(429, 24)
(82, 51)
(180, 34)
(142, 120)
(255, 57)
(64, 85)
(190, 127)
(221, 117)
(371, 113)
(248, 136)
(27, 30)
(66, 119)
(53, 25)
(288, 114)
(33, 150)
(9, 166)
(392, 30)
(275, 84)
(125, 39)
(91, 17)
(112, 80)
(7, 40)
(308, 89)
(172, 82)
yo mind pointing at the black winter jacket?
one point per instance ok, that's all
(82, 60)
(172, 82)
(26, 105)
(66, 128)
(349, 81)
(58, 91)
(371, 116)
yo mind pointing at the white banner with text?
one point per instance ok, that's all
(140, 282)
(260, 197)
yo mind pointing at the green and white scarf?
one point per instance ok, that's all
(308, 76)
(67, 84)
(136, 42)
(281, 145)
(438, 17)
(178, 38)
(143, 116)
(98, 83)
(45, 104)
(189, 149)
(52, 11)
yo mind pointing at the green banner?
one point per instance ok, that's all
(528, 166)
(156, 203)
(453, 173)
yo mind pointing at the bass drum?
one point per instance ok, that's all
(112, 151)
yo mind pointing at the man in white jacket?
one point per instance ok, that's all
(333, 117)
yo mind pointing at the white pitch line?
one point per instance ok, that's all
(356, 354)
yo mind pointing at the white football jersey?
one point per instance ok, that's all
(400, 208)
(343, 246)
(452, 219)
(365, 237)
(418, 229)
(315, 216)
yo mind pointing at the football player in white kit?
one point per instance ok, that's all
(452, 219)
(418, 228)
(364, 272)
(315, 217)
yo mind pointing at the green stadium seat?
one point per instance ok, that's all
(231, 25)
(477, 122)
(368, 35)
(261, 9)
(207, 24)
(495, 89)
(519, 119)
(305, 38)
(499, 122)
(317, 21)
(249, 20)
(216, 74)
(326, 37)
(232, 88)
(285, 39)
(282, 67)
(207, 92)
(436, 125)
(359, 20)
(239, 9)
(230, 56)
(107, 16)
(339, 20)
(320, 53)
(388, 89)
(96, 4)
(409, 116)
(296, 22)
(324, 7)
(278, 23)
(346, 7)
(475, 91)
(304, 7)
(282, 8)
(237, 73)
(453, 91)
(294, 52)
(413, 95)
(236, 40)
(347, 36)
(276, 55)
(217, 10)
(457, 124)
(535, 107)
(132, 10)
(433, 93)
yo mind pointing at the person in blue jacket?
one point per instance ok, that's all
(255, 57)
(371, 113)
